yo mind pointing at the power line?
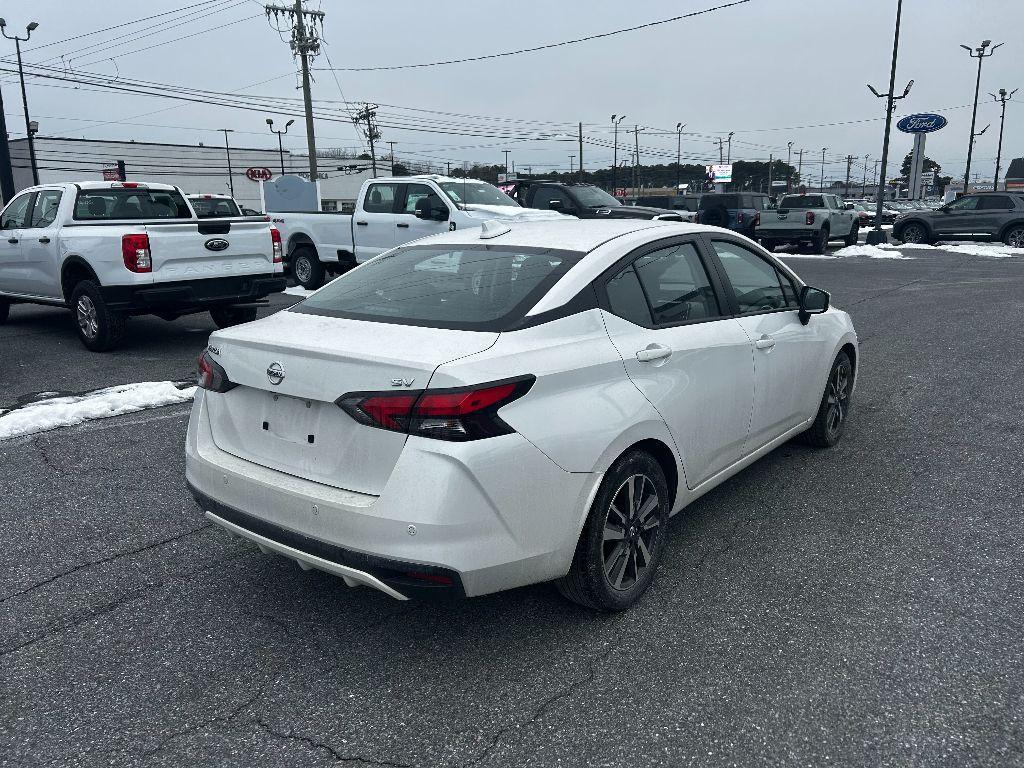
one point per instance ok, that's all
(548, 46)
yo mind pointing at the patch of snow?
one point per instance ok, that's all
(298, 290)
(870, 251)
(804, 256)
(993, 250)
(52, 413)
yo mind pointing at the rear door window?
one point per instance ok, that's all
(996, 203)
(626, 298)
(44, 210)
(677, 285)
(463, 287)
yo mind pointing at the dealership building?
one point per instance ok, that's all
(194, 168)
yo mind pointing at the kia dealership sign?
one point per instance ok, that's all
(921, 123)
(259, 174)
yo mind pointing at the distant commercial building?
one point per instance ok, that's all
(194, 168)
(1014, 178)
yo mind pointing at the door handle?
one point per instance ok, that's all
(362, 223)
(12, 240)
(44, 240)
(653, 352)
(765, 342)
(403, 226)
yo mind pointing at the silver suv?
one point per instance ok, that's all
(982, 216)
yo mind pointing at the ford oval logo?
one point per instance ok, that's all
(926, 123)
(275, 373)
(216, 244)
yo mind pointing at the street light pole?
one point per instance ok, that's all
(615, 152)
(24, 98)
(1002, 98)
(728, 157)
(980, 54)
(679, 149)
(821, 186)
(877, 235)
(571, 166)
(231, 180)
(506, 151)
(280, 146)
(789, 164)
(864, 181)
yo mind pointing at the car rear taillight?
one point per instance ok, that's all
(211, 376)
(810, 217)
(465, 413)
(275, 240)
(757, 219)
(135, 252)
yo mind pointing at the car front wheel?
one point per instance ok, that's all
(1014, 237)
(834, 409)
(913, 233)
(624, 536)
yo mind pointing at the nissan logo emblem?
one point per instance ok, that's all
(216, 244)
(275, 373)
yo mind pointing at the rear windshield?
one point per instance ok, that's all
(719, 201)
(99, 204)
(214, 207)
(802, 202)
(469, 287)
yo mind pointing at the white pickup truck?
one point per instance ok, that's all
(108, 250)
(808, 219)
(389, 213)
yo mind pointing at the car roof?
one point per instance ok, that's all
(569, 234)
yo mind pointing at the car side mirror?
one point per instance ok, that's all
(440, 213)
(813, 301)
(556, 205)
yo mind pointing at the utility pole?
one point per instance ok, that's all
(506, 151)
(615, 152)
(391, 145)
(572, 167)
(581, 151)
(231, 179)
(679, 149)
(849, 165)
(6, 172)
(1002, 98)
(771, 159)
(789, 164)
(864, 181)
(877, 235)
(24, 98)
(304, 43)
(367, 113)
(980, 54)
(728, 157)
(821, 187)
(636, 161)
(721, 151)
(800, 166)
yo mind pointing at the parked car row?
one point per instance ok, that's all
(993, 216)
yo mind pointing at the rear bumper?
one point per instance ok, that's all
(192, 294)
(792, 235)
(483, 516)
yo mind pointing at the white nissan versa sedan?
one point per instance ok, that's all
(511, 404)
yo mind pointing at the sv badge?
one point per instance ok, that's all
(402, 382)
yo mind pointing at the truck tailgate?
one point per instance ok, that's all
(210, 248)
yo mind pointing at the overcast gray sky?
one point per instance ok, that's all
(769, 70)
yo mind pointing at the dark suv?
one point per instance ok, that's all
(584, 201)
(738, 211)
(981, 216)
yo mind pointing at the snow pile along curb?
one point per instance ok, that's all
(101, 404)
(871, 251)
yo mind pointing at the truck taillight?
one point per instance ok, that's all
(810, 218)
(275, 239)
(135, 252)
(739, 217)
(466, 413)
(757, 219)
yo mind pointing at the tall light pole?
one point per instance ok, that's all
(506, 151)
(980, 54)
(864, 181)
(636, 160)
(571, 166)
(728, 157)
(231, 180)
(789, 164)
(679, 149)
(877, 235)
(280, 146)
(615, 152)
(24, 99)
(821, 186)
(1002, 98)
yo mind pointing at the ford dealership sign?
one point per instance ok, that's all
(921, 123)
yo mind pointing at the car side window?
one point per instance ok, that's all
(996, 203)
(380, 198)
(15, 214)
(758, 203)
(44, 210)
(416, 192)
(677, 285)
(546, 194)
(758, 285)
(968, 203)
(626, 298)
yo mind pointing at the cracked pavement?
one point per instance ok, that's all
(863, 605)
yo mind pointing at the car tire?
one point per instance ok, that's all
(851, 239)
(820, 243)
(623, 528)
(307, 269)
(99, 327)
(833, 411)
(913, 233)
(5, 311)
(1014, 236)
(225, 317)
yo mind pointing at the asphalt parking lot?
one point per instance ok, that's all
(858, 606)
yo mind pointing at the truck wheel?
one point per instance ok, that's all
(5, 311)
(307, 269)
(225, 317)
(851, 239)
(1014, 238)
(820, 242)
(100, 328)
